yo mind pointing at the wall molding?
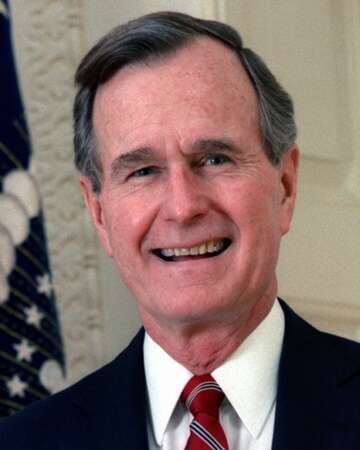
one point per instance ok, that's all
(214, 9)
(351, 20)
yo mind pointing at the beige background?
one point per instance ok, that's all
(314, 49)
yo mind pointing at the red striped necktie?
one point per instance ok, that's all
(203, 396)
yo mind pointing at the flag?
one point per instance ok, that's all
(32, 361)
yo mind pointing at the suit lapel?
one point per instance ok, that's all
(312, 411)
(299, 400)
(112, 410)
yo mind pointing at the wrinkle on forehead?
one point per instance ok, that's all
(191, 78)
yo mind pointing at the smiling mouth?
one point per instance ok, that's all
(208, 249)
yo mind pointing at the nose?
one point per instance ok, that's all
(186, 196)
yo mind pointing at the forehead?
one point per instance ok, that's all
(202, 83)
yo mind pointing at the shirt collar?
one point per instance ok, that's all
(248, 377)
(165, 380)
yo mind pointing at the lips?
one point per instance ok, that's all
(206, 249)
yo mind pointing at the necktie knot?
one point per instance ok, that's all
(202, 395)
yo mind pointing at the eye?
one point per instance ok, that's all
(216, 159)
(143, 172)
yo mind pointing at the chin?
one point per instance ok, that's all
(198, 309)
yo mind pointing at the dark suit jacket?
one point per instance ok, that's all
(318, 402)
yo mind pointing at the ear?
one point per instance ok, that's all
(94, 205)
(288, 173)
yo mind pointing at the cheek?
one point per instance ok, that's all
(257, 210)
(128, 220)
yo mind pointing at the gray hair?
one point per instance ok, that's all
(157, 35)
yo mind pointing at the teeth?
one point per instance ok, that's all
(210, 247)
(202, 249)
(207, 247)
(194, 251)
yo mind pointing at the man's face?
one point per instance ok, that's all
(190, 209)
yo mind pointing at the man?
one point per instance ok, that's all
(186, 147)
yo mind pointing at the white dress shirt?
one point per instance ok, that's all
(248, 378)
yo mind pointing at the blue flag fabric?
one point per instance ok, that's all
(32, 361)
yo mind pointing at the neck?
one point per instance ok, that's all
(202, 347)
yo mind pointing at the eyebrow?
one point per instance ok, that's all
(131, 159)
(145, 155)
(211, 145)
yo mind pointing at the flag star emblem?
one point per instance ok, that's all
(44, 285)
(24, 350)
(16, 386)
(33, 316)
